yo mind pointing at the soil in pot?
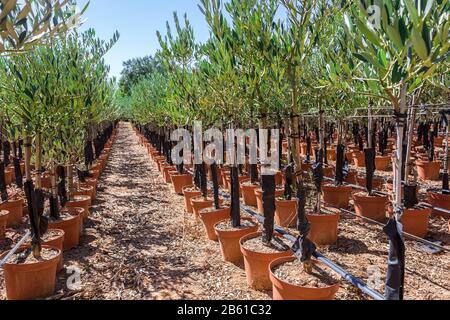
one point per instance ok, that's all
(257, 258)
(337, 196)
(285, 212)
(371, 206)
(3, 223)
(69, 222)
(291, 282)
(53, 238)
(200, 203)
(27, 278)
(211, 216)
(15, 208)
(324, 227)
(229, 238)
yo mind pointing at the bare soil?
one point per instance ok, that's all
(277, 245)
(26, 257)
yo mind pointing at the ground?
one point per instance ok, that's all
(140, 244)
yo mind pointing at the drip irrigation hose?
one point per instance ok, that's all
(14, 250)
(361, 285)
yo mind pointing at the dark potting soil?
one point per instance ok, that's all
(294, 273)
(226, 225)
(276, 245)
(19, 258)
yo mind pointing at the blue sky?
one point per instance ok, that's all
(137, 22)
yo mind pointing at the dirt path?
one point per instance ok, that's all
(135, 245)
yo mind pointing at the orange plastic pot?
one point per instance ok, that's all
(359, 158)
(180, 181)
(199, 204)
(92, 183)
(160, 163)
(8, 176)
(165, 172)
(324, 228)
(439, 142)
(416, 221)
(241, 180)
(15, 208)
(259, 200)
(351, 177)
(427, 170)
(337, 196)
(257, 264)
(331, 154)
(439, 200)
(211, 218)
(328, 172)
(58, 243)
(248, 194)
(286, 213)
(46, 182)
(229, 241)
(188, 195)
(285, 291)
(377, 183)
(85, 191)
(3, 223)
(71, 228)
(383, 163)
(80, 202)
(372, 207)
(95, 174)
(31, 281)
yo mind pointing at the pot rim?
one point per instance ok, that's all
(34, 264)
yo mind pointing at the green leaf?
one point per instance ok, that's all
(419, 45)
(412, 11)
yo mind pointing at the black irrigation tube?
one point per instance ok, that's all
(361, 285)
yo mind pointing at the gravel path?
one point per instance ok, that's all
(139, 243)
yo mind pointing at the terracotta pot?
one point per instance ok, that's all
(383, 163)
(416, 221)
(71, 228)
(279, 179)
(439, 142)
(427, 170)
(286, 291)
(337, 196)
(8, 176)
(328, 172)
(15, 208)
(324, 227)
(165, 172)
(372, 207)
(377, 182)
(257, 264)
(211, 218)
(85, 191)
(95, 174)
(225, 172)
(199, 204)
(229, 241)
(160, 163)
(439, 200)
(331, 154)
(31, 281)
(58, 243)
(180, 181)
(241, 180)
(3, 223)
(286, 213)
(259, 201)
(188, 195)
(349, 156)
(248, 194)
(81, 202)
(359, 158)
(91, 183)
(351, 177)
